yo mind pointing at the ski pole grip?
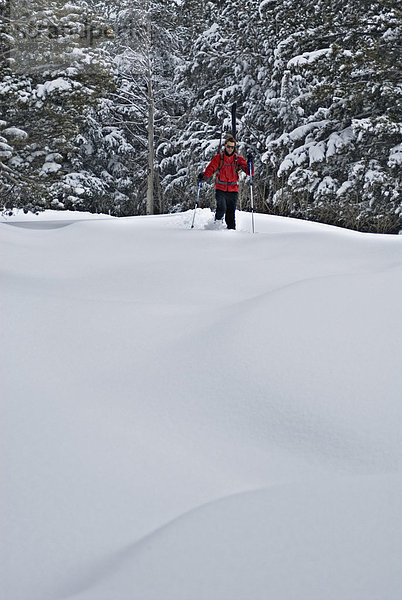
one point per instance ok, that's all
(250, 168)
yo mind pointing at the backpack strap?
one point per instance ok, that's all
(236, 163)
(221, 160)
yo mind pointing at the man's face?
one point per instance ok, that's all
(230, 146)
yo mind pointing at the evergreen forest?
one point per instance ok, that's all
(115, 107)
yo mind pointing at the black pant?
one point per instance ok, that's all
(226, 206)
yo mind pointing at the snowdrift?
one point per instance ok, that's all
(199, 413)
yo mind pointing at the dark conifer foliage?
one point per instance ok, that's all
(116, 106)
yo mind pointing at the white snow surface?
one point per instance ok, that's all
(395, 156)
(308, 57)
(58, 84)
(15, 133)
(49, 167)
(198, 414)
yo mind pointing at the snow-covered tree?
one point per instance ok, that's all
(128, 99)
(335, 93)
(53, 74)
(220, 69)
(145, 101)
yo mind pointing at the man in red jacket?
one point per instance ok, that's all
(227, 164)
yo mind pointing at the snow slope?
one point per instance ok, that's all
(199, 414)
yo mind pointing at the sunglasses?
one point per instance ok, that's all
(230, 147)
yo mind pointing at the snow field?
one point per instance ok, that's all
(199, 413)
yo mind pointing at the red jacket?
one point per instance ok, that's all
(227, 178)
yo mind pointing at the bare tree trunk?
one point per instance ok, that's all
(150, 174)
(160, 209)
(151, 127)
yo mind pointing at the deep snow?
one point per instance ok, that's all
(199, 414)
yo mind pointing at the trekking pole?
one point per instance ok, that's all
(250, 168)
(196, 202)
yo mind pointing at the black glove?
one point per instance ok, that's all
(249, 158)
(201, 176)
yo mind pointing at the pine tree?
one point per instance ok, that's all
(145, 53)
(52, 77)
(211, 86)
(340, 114)
(127, 102)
